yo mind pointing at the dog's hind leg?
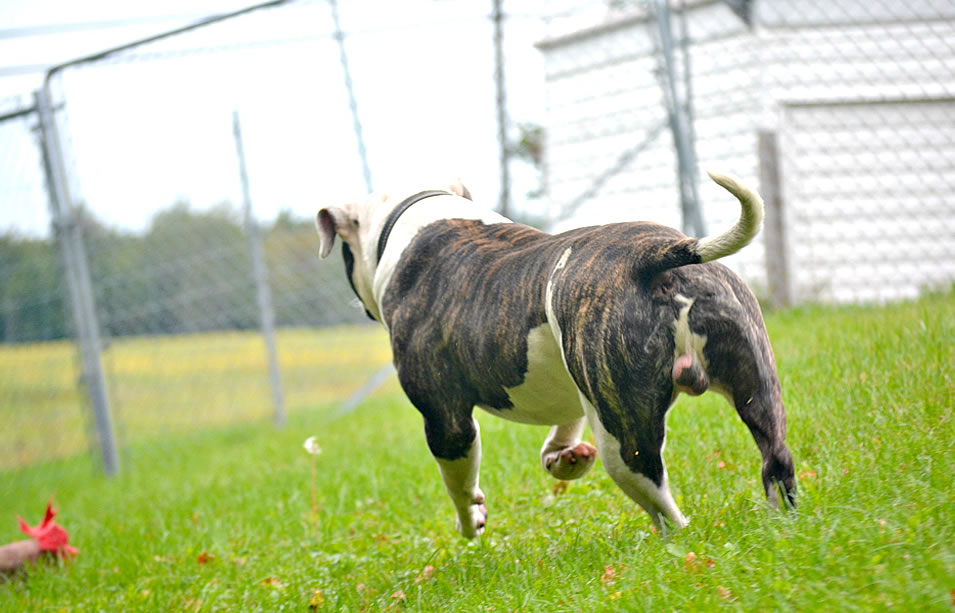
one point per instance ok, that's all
(460, 472)
(564, 455)
(758, 401)
(764, 416)
(743, 369)
(648, 487)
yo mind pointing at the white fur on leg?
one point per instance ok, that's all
(563, 455)
(461, 481)
(656, 500)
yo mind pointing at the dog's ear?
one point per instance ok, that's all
(332, 221)
(457, 188)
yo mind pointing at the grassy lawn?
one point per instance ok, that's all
(223, 518)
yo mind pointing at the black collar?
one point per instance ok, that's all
(399, 210)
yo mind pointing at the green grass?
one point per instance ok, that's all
(869, 393)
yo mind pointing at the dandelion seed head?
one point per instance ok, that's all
(311, 446)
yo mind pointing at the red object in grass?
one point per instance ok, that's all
(47, 537)
(50, 535)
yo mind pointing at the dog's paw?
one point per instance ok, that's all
(571, 462)
(472, 521)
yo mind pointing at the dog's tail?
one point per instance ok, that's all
(737, 237)
(668, 253)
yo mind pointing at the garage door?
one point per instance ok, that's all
(869, 192)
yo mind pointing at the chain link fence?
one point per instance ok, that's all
(178, 257)
(161, 164)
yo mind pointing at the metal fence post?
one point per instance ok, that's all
(69, 233)
(500, 104)
(260, 273)
(682, 137)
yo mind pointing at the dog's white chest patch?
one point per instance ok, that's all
(548, 395)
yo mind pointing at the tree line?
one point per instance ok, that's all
(189, 271)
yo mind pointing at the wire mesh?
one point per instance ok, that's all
(842, 114)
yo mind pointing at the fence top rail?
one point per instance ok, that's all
(18, 113)
(163, 35)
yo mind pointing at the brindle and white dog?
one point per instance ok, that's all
(604, 325)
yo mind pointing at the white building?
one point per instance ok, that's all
(857, 95)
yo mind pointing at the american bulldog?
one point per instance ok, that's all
(604, 325)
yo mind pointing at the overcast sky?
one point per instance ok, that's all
(153, 128)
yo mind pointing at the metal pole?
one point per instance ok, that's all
(504, 199)
(68, 231)
(377, 380)
(686, 156)
(350, 90)
(687, 72)
(260, 273)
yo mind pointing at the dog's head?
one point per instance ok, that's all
(360, 224)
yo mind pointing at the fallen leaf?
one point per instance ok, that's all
(725, 594)
(273, 582)
(614, 596)
(192, 604)
(721, 464)
(609, 576)
(205, 557)
(807, 474)
(318, 599)
(426, 574)
(560, 487)
(399, 595)
(691, 562)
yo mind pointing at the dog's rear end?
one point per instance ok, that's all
(644, 314)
